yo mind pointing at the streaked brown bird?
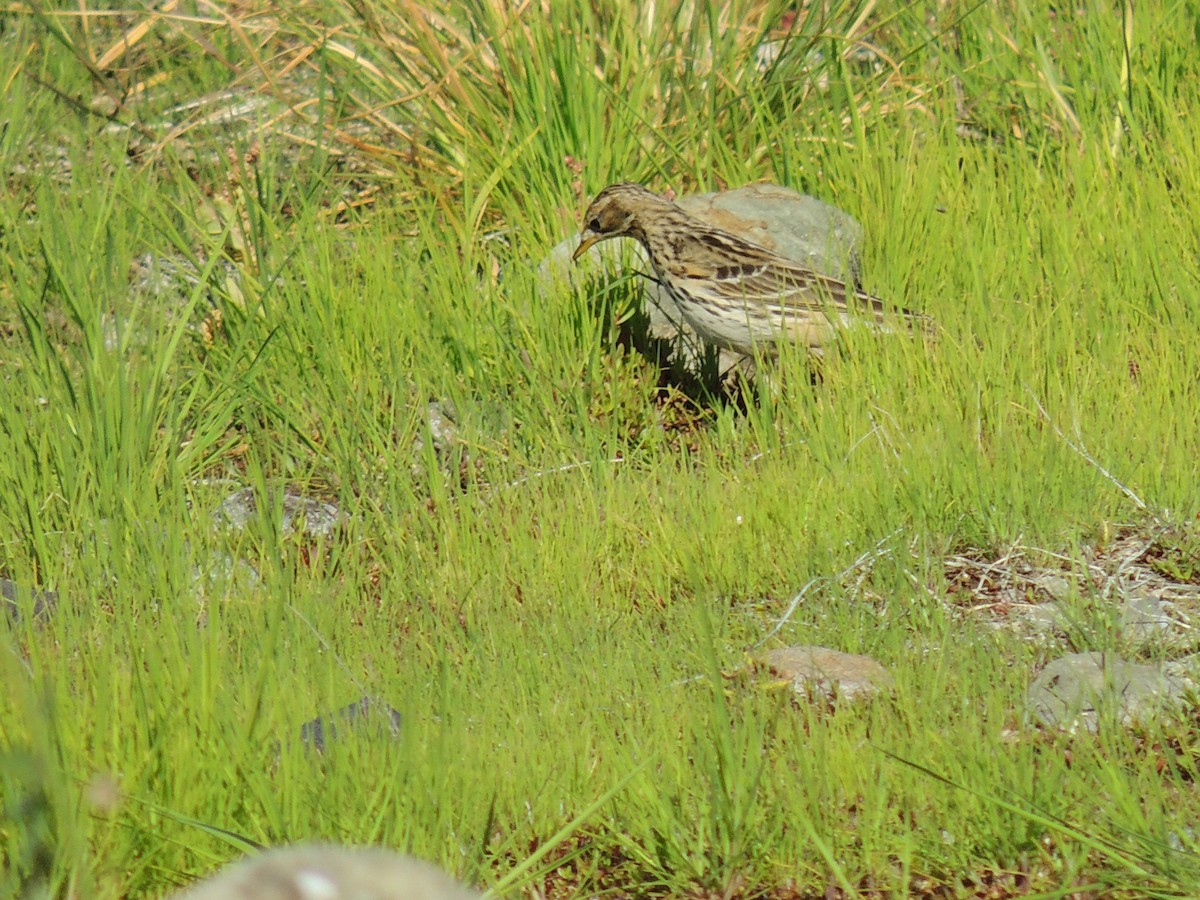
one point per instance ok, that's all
(732, 292)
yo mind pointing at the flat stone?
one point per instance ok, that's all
(1055, 584)
(1138, 620)
(223, 575)
(313, 517)
(1145, 618)
(326, 872)
(831, 674)
(19, 601)
(1046, 617)
(1082, 688)
(1185, 670)
(439, 416)
(366, 715)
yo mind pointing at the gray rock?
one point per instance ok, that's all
(365, 715)
(1186, 671)
(1142, 619)
(1048, 617)
(313, 517)
(1137, 620)
(170, 281)
(1183, 840)
(324, 872)
(439, 416)
(796, 226)
(830, 674)
(1086, 688)
(442, 422)
(162, 289)
(1057, 585)
(796, 52)
(222, 575)
(18, 601)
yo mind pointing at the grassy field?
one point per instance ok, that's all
(240, 251)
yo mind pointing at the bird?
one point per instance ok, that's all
(734, 294)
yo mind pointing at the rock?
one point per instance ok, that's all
(439, 416)
(1186, 671)
(18, 601)
(222, 575)
(801, 228)
(1049, 617)
(1055, 584)
(1143, 619)
(313, 517)
(800, 60)
(162, 289)
(362, 716)
(324, 872)
(1183, 840)
(1138, 620)
(441, 420)
(1083, 688)
(829, 673)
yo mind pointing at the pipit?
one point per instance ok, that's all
(734, 293)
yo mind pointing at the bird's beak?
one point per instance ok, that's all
(584, 244)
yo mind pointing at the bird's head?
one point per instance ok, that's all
(615, 213)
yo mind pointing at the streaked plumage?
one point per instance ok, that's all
(732, 292)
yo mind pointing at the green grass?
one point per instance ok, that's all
(562, 603)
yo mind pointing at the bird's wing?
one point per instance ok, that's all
(780, 284)
(743, 272)
(733, 271)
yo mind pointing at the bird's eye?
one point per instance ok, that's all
(594, 225)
